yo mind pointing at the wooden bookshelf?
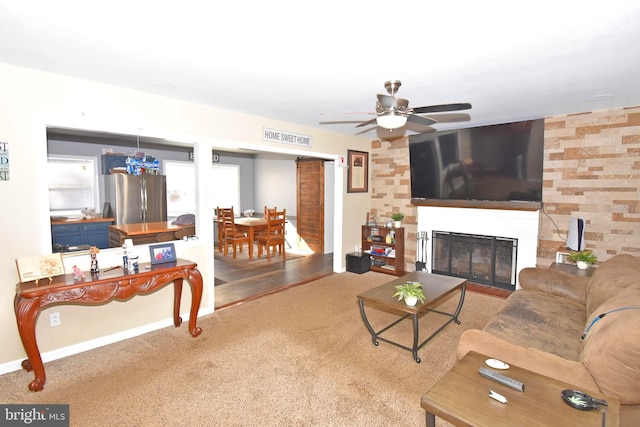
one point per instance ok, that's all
(385, 246)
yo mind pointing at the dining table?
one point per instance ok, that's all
(250, 225)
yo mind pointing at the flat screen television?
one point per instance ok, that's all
(496, 166)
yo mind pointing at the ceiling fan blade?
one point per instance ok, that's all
(367, 123)
(367, 130)
(402, 103)
(368, 113)
(451, 117)
(340, 122)
(388, 101)
(426, 131)
(442, 108)
(423, 136)
(419, 120)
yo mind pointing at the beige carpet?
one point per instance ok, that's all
(298, 357)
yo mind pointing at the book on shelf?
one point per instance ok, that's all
(380, 250)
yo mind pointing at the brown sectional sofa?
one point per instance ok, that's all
(540, 328)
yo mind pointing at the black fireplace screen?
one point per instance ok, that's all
(488, 260)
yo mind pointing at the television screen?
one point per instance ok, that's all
(497, 163)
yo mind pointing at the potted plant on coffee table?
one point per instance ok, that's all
(583, 259)
(397, 217)
(410, 292)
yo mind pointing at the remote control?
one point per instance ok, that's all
(502, 379)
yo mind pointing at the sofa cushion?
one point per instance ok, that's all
(611, 348)
(555, 282)
(535, 319)
(610, 278)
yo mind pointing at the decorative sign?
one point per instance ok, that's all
(215, 157)
(4, 161)
(38, 267)
(285, 137)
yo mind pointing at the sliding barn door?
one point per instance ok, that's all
(310, 203)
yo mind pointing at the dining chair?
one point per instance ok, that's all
(231, 235)
(219, 212)
(262, 233)
(274, 237)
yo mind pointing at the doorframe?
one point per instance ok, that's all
(338, 186)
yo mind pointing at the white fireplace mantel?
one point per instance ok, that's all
(521, 225)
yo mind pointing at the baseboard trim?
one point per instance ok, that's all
(60, 353)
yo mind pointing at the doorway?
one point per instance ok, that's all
(310, 203)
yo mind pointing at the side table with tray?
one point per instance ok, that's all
(465, 397)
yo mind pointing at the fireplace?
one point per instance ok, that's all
(518, 224)
(489, 260)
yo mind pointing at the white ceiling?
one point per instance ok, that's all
(291, 60)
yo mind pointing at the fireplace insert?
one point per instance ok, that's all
(489, 260)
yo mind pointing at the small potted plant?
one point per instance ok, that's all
(583, 259)
(410, 292)
(397, 217)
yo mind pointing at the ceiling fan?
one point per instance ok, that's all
(394, 113)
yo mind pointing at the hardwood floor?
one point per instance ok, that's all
(241, 280)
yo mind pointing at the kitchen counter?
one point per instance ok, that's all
(148, 232)
(80, 221)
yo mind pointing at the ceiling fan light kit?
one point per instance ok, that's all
(394, 113)
(391, 121)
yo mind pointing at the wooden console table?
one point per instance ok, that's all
(105, 286)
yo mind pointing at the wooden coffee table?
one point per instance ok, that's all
(436, 288)
(461, 397)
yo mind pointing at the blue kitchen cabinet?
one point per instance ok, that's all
(81, 232)
(67, 234)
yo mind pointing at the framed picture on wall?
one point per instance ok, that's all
(357, 171)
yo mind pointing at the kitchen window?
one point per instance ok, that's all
(181, 187)
(73, 185)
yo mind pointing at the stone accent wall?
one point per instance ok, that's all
(591, 171)
(391, 190)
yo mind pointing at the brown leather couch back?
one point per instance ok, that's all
(611, 277)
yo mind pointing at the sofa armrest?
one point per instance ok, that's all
(543, 363)
(554, 282)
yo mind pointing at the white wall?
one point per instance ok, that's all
(521, 225)
(275, 182)
(32, 100)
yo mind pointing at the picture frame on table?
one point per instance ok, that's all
(357, 171)
(159, 254)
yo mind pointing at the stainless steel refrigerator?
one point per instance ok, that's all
(136, 198)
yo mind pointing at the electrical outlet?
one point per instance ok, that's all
(54, 319)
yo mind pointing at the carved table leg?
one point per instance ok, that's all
(177, 295)
(195, 278)
(26, 314)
